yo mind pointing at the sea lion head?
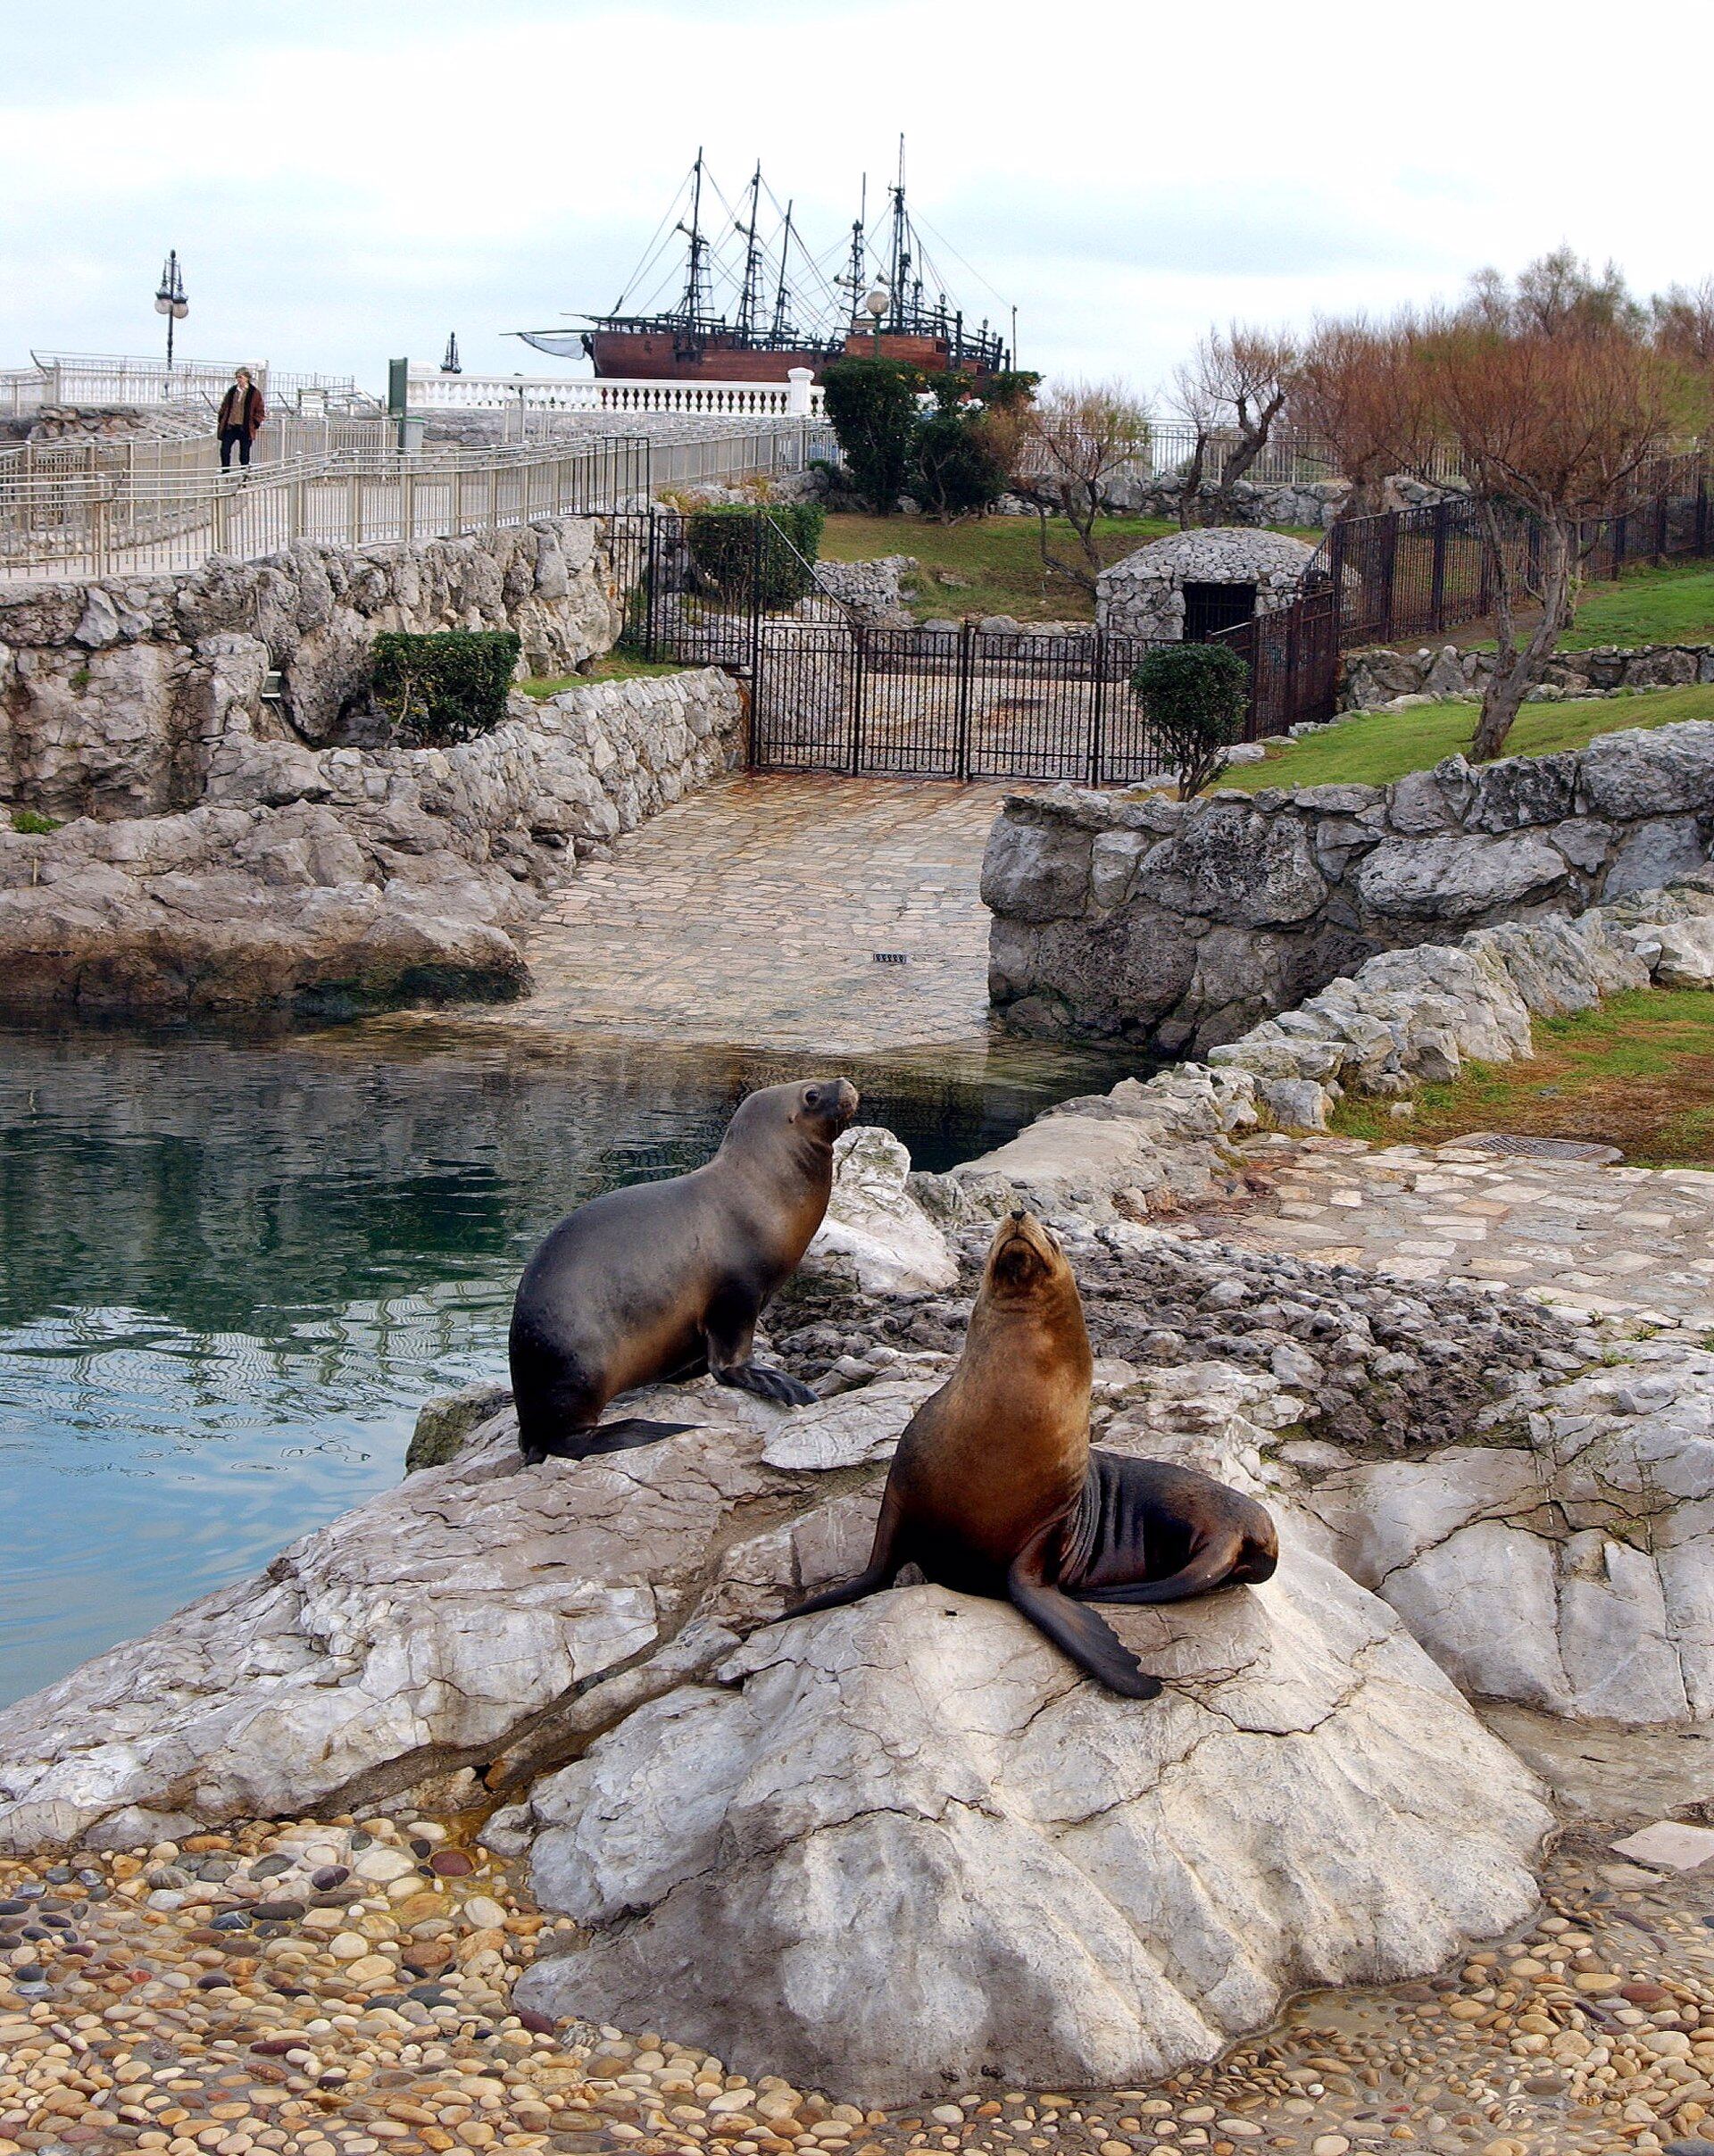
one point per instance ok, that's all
(808, 1109)
(1026, 1263)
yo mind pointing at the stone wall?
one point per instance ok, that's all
(1369, 680)
(114, 695)
(1144, 594)
(1181, 924)
(339, 878)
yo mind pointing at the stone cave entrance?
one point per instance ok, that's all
(1209, 608)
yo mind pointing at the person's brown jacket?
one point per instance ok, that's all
(248, 416)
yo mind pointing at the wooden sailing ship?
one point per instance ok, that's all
(752, 306)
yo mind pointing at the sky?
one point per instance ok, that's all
(348, 182)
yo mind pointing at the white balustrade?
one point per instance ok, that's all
(433, 391)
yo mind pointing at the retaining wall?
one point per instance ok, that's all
(114, 695)
(1371, 678)
(1181, 925)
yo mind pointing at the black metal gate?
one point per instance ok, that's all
(949, 704)
(829, 692)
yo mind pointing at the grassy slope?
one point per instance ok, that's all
(1638, 1073)
(1672, 605)
(1000, 557)
(1386, 744)
(612, 666)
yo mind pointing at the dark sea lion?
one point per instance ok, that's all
(667, 1280)
(996, 1490)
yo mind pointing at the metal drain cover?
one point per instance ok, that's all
(1517, 1147)
(888, 958)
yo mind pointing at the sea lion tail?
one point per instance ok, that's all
(1212, 1566)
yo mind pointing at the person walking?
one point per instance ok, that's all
(241, 414)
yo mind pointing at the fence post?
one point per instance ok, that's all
(648, 593)
(1701, 512)
(962, 723)
(1098, 718)
(854, 751)
(1336, 572)
(1437, 591)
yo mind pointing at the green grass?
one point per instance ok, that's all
(612, 666)
(1637, 1073)
(31, 823)
(1385, 745)
(998, 558)
(1671, 605)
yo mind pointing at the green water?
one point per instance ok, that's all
(231, 1272)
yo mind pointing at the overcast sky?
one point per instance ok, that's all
(349, 180)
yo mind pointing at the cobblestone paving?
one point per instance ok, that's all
(207, 2001)
(751, 914)
(1630, 1243)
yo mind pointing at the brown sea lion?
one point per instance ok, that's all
(996, 1490)
(667, 1280)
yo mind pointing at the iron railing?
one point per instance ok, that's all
(1419, 572)
(831, 691)
(106, 523)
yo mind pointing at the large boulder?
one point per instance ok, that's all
(918, 1803)
(874, 1233)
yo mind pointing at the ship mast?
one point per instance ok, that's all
(748, 296)
(692, 305)
(900, 249)
(854, 277)
(780, 295)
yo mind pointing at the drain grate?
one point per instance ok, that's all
(1540, 1149)
(888, 958)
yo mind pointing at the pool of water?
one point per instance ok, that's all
(232, 1271)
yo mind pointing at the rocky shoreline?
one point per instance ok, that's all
(899, 1852)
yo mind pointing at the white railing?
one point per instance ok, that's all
(97, 378)
(103, 525)
(284, 438)
(432, 391)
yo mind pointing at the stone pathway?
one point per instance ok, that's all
(1629, 1242)
(749, 915)
(338, 1990)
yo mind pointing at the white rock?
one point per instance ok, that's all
(1669, 1846)
(875, 1224)
(918, 1802)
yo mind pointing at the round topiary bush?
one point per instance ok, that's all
(1196, 697)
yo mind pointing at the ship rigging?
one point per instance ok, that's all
(718, 324)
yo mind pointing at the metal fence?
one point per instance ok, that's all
(831, 692)
(97, 377)
(107, 523)
(283, 438)
(1419, 572)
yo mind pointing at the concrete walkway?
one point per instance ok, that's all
(750, 914)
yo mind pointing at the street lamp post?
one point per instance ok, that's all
(878, 302)
(169, 298)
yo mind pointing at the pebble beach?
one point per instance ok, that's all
(342, 1987)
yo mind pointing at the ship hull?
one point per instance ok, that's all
(663, 355)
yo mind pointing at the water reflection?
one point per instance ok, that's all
(230, 1271)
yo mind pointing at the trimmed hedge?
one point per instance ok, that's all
(1196, 696)
(776, 547)
(450, 685)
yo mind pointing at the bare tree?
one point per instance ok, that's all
(1553, 425)
(1188, 396)
(1361, 388)
(1071, 442)
(1240, 378)
(1557, 295)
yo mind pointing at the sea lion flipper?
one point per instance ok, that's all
(1094, 1646)
(629, 1432)
(1212, 1566)
(884, 1561)
(766, 1384)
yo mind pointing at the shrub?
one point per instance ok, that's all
(31, 823)
(957, 472)
(1195, 696)
(872, 408)
(774, 549)
(444, 687)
